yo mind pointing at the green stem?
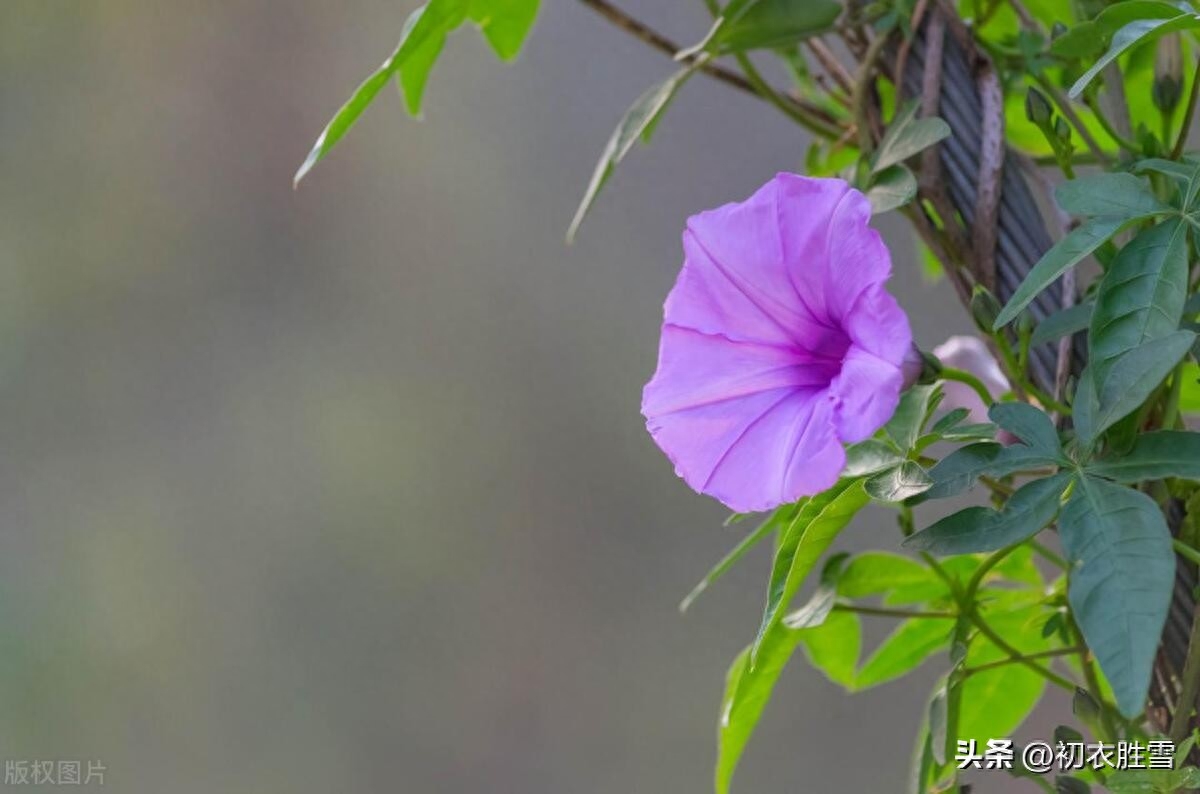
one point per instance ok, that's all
(1049, 555)
(858, 100)
(1187, 552)
(969, 671)
(962, 376)
(1190, 685)
(1186, 128)
(1171, 410)
(885, 612)
(1108, 128)
(789, 109)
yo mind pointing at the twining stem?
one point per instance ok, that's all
(1110, 130)
(1186, 128)
(969, 671)
(1190, 688)
(962, 376)
(886, 612)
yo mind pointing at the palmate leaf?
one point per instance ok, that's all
(1154, 456)
(1121, 578)
(1141, 296)
(504, 23)
(979, 529)
(638, 122)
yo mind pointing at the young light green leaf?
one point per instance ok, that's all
(899, 483)
(1129, 380)
(1091, 37)
(1134, 33)
(774, 523)
(893, 188)
(1122, 575)
(637, 122)
(1029, 424)
(1064, 322)
(806, 538)
(1065, 254)
(913, 641)
(504, 23)
(834, 646)
(1115, 195)
(907, 136)
(760, 24)
(978, 529)
(1141, 295)
(1154, 456)
(879, 573)
(429, 23)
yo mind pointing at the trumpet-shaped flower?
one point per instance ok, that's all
(779, 344)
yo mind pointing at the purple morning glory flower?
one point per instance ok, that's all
(779, 344)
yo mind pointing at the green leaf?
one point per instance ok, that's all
(1091, 37)
(892, 189)
(959, 470)
(775, 522)
(1179, 171)
(747, 691)
(1066, 253)
(820, 604)
(760, 24)
(978, 529)
(1141, 296)
(834, 646)
(424, 29)
(995, 702)
(1029, 424)
(1129, 380)
(504, 23)
(1153, 781)
(870, 457)
(1134, 33)
(877, 573)
(1121, 579)
(1116, 195)
(912, 642)
(807, 537)
(916, 404)
(1154, 456)
(637, 122)
(899, 483)
(907, 136)
(413, 78)
(1064, 322)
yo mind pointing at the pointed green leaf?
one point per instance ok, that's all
(637, 122)
(820, 604)
(907, 136)
(1154, 456)
(1116, 195)
(978, 529)
(878, 573)
(1129, 380)
(1064, 322)
(834, 646)
(870, 457)
(1091, 37)
(916, 405)
(1029, 424)
(1121, 579)
(1141, 296)
(912, 642)
(807, 537)
(1066, 253)
(747, 691)
(1134, 33)
(504, 23)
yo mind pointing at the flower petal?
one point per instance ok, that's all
(866, 394)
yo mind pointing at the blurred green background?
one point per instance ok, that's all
(347, 488)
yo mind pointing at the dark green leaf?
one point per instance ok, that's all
(1141, 296)
(1153, 781)
(1181, 172)
(807, 537)
(759, 24)
(1129, 380)
(1114, 195)
(637, 122)
(774, 523)
(1122, 575)
(913, 641)
(911, 415)
(892, 189)
(907, 136)
(1154, 456)
(1062, 323)
(978, 529)
(950, 420)
(1134, 33)
(1067, 252)
(1029, 424)
(899, 483)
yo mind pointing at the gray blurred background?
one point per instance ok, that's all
(347, 488)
